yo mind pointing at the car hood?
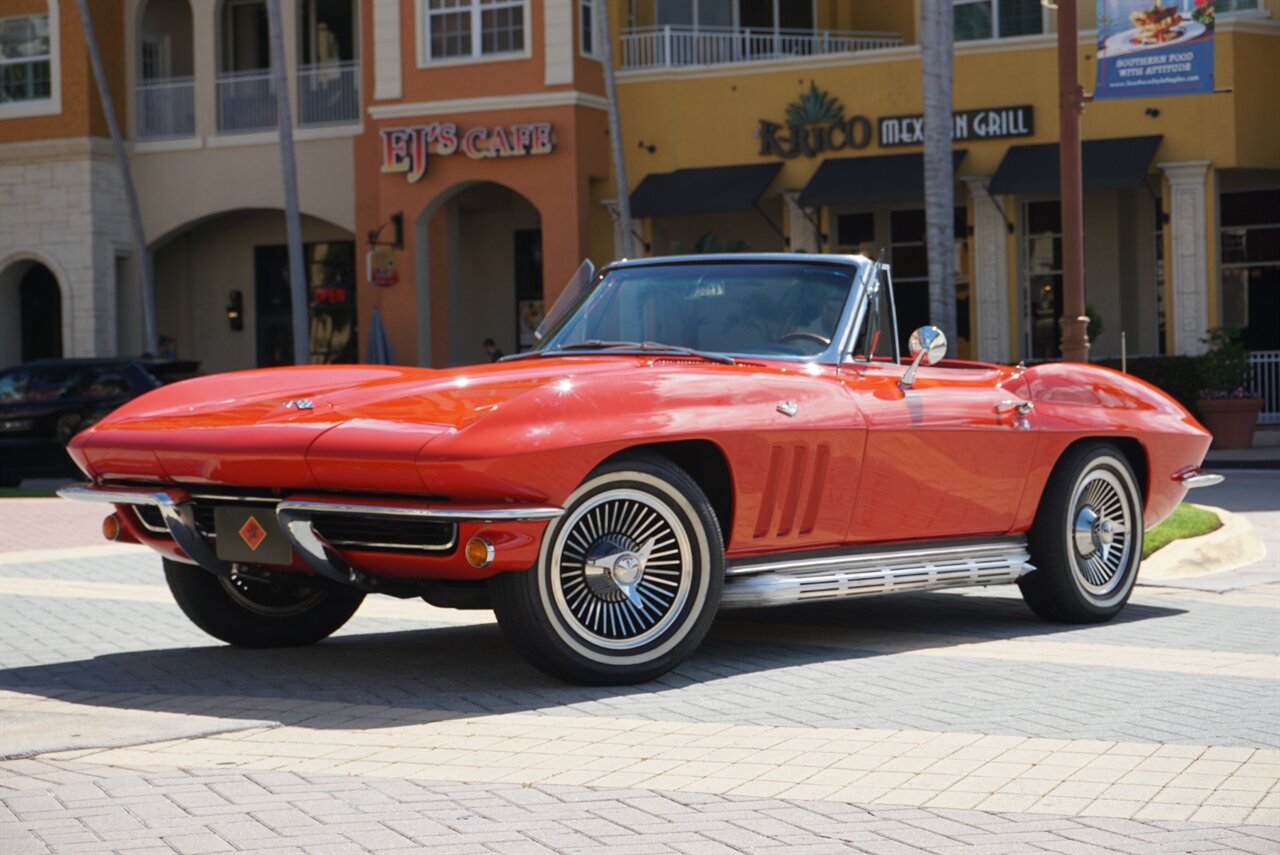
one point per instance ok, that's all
(343, 427)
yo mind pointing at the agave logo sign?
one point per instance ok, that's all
(815, 124)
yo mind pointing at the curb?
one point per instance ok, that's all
(1232, 546)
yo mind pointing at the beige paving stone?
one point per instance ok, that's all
(1181, 796)
(1079, 789)
(1062, 805)
(1165, 811)
(1116, 808)
(956, 800)
(1007, 802)
(1269, 817)
(980, 784)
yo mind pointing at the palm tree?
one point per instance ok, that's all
(151, 341)
(615, 128)
(937, 29)
(289, 172)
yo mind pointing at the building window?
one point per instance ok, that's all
(26, 59)
(467, 29)
(1226, 7)
(997, 19)
(1250, 242)
(1042, 277)
(909, 256)
(587, 28)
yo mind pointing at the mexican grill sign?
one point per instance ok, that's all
(816, 123)
(405, 150)
(989, 124)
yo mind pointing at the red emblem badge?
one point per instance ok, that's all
(252, 533)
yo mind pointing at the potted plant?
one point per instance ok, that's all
(1228, 408)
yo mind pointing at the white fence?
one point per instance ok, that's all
(1264, 380)
(246, 101)
(166, 108)
(666, 46)
(329, 94)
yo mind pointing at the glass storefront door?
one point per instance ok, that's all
(330, 271)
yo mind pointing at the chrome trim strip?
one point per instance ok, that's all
(176, 509)
(414, 547)
(799, 565)
(512, 514)
(836, 577)
(142, 521)
(1201, 479)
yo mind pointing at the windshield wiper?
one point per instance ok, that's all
(637, 346)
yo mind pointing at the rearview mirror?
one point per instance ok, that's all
(928, 345)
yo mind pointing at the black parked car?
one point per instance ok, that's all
(43, 404)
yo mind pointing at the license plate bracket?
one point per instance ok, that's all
(250, 534)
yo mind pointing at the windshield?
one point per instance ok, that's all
(759, 309)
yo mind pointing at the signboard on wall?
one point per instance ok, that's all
(987, 124)
(405, 150)
(1154, 47)
(816, 123)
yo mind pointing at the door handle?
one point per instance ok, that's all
(1022, 407)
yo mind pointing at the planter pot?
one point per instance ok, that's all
(1230, 420)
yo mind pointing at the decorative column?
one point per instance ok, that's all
(802, 224)
(990, 285)
(1188, 255)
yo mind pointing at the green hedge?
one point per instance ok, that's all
(1181, 376)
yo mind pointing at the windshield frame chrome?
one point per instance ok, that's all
(832, 355)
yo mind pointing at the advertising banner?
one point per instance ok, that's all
(1154, 47)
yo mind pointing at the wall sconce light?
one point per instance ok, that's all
(235, 310)
(649, 147)
(1152, 112)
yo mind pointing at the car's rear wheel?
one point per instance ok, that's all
(252, 612)
(627, 581)
(1086, 542)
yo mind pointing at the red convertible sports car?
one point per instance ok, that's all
(690, 434)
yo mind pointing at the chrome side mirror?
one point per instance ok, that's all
(928, 345)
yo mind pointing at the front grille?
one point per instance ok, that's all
(388, 532)
(376, 533)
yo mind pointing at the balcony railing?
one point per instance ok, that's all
(246, 101)
(166, 108)
(329, 94)
(1264, 381)
(670, 46)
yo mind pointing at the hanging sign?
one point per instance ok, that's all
(405, 150)
(382, 267)
(1154, 47)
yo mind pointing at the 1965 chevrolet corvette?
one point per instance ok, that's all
(690, 434)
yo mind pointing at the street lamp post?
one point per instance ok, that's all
(1075, 324)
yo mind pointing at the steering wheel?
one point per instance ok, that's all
(808, 336)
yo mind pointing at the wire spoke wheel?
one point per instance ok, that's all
(1101, 528)
(621, 568)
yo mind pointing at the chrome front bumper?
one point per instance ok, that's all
(1196, 478)
(177, 509)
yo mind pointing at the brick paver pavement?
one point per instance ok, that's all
(950, 722)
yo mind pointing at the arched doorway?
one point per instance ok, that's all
(222, 291)
(479, 272)
(30, 313)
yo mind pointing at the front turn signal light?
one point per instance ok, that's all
(479, 552)
(111, 527)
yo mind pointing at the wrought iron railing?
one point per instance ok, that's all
(329, 94)
(667, 46)
(1264, 381)
(166, 108)
(246, 101)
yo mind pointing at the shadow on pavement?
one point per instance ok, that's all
(432, 674)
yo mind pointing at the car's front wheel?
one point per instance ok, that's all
(1086, 541)
(250, 612)
(627, 581)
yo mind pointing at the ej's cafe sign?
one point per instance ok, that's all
(405, 150)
